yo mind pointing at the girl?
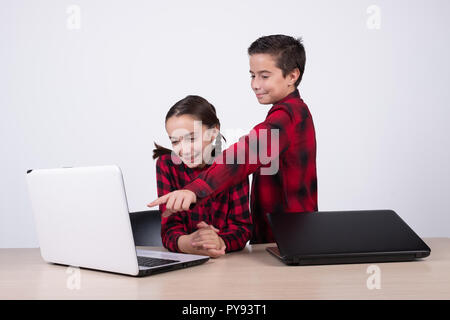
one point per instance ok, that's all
(213, 227)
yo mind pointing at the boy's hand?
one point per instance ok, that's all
(179, 200)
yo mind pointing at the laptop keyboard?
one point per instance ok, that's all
(153, 262)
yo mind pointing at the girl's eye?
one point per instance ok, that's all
(252, 76)
(174, 142)
(265, 77)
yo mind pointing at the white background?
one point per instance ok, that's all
(99, 94)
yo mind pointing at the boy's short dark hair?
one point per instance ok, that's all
(288, 52)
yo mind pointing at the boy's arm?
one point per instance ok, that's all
(253, 151)
(239, 220)
(257, 147)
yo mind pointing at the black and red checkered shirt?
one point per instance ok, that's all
(228, 210)
(293, 188)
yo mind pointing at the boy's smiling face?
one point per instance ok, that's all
(268, 82)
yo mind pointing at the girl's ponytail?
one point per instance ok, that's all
(159, 151)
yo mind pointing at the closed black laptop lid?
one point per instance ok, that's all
(343, 232)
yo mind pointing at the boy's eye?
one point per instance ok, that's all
(174, 142)
(262, 76)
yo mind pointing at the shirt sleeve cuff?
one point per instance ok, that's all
(231, 243)
(175, 244)
(200, 188)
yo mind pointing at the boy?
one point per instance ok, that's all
(277, 64)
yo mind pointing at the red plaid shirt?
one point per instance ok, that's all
(228, 211)
(294, 186)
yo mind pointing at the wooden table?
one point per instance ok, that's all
(249, 274)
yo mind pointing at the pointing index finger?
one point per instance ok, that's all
(158, 201)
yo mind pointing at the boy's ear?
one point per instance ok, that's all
(293, 76)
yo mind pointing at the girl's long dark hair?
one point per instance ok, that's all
(200, 109)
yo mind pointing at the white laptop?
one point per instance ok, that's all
(82, 220)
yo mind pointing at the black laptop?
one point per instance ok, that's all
(337, 237)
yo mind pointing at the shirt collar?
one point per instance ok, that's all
(293, 94)
(195, 169)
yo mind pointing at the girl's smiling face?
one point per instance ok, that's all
(191, 140)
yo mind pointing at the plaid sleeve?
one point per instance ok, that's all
(241, 159)
(172, 227)
(239, 221)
